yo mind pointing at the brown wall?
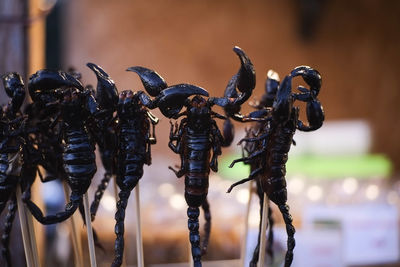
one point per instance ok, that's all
(355, 47)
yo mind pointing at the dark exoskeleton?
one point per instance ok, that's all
(136, 133)
(273, 138)
(11, 150)
(77, 115)
(197, 135)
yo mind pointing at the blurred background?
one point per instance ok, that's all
(342, 179)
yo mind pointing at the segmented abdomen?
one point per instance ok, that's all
(79, 159)
(197, 167)
(131, 156)
(274, 184)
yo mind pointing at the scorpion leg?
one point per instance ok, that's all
(207, 226)
(248, 158)
(253, 139)
(5, 238)
(216, 143)
(252, 176)
(175, 135)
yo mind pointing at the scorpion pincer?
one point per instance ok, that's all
(274, 139)
(197, 135)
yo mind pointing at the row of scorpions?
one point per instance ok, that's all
(58, 131)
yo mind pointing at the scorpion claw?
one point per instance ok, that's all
(311, 76)
(172, 99)
(152, 81)
(106, 91)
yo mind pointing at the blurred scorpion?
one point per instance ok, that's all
(198, 134)
(269, 142)
(11, 145)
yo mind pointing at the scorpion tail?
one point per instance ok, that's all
(5, 238)
(70, 208)
(95, 236)
(99, 194)
(207, 226)
(120, 227)
(270, 240)
(284, 209)
(194, 236)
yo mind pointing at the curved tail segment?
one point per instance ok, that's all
(194, 235)
(120, 227)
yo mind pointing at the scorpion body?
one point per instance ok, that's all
(275, 138)
(76, 108)
(197, 135)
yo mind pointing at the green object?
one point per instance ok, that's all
(320, 167)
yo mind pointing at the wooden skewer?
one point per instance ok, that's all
(24, 229)
(246, 226)
(75, 236)
(263, 230)
(139, 241)
(89, 230)
(32, 237)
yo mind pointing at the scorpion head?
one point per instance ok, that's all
(106, 91)
(172, 99)
(15, 89)
(314, 110)
(244, 81)
(47, 85)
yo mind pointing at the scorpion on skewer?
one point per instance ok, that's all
(79, 115)
(198, 134)
(275, 138)
(136, 133)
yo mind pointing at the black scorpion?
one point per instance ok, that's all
(275, 138)
(198, 134)
(136, 133)
(78, 113)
